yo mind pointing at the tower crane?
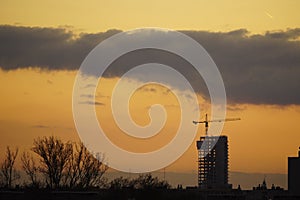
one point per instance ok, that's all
(206, 121)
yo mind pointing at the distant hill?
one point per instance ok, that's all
(246, 180)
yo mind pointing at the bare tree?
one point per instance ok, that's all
(142, 182)
(8, 171)
(84, 170)
(74, 167)
(54, 156)
(93, 170)
(121, 183)
(30, 168)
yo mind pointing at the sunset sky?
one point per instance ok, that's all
(255, 44)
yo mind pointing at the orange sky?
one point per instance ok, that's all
(100, 15)
(37, 103)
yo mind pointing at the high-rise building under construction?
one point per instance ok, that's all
(294, 174)
(213, 162)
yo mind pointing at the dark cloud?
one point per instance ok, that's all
(290, 34)
(99, 95)
(235, 107)
(259, 68)
(40, 126)
(48, 48)
(89, 96)
(96, 103)
(90, 86)
(148, 89)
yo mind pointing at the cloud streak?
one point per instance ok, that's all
(96, 103)
(257, 68)
(40, 126)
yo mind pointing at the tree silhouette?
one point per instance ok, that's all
(54, 156)
(62, 164)
(121, 183)
(83, 169)
(142, 182)
(8, 171)
(146, 181)
(30, 168)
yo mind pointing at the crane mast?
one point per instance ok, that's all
(206, 121)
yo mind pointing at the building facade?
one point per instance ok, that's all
(294, 174)
(213, 162)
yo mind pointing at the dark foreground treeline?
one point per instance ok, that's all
(55, 170)
(125, 194)
(145, 194)
(107, 194)
(53, 165)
